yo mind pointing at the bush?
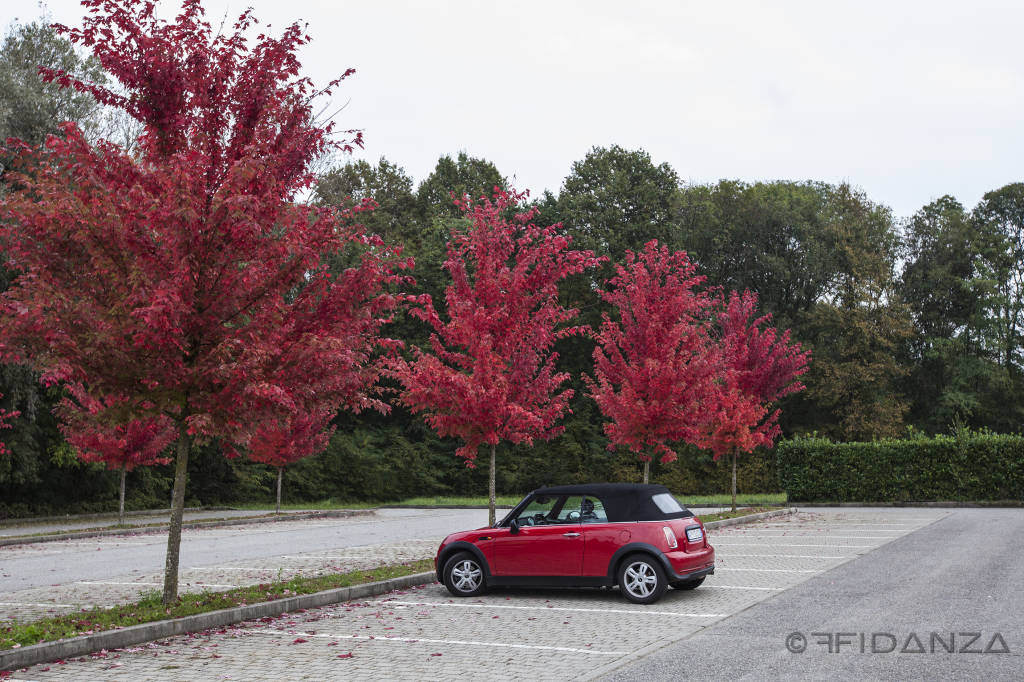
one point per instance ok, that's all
(967, 466)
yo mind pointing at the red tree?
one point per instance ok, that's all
(655, 366)
(761, 366)
(4, 416)
(141, 442)
(287, 439)
(489, 375)
(185, 277)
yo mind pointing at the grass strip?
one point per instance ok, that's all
(746, 511)
(149, 608)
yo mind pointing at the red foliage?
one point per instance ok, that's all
(490, 373)
(4, 416)
(141, 442)
(655, 367)
(761, 366)
(185, 278)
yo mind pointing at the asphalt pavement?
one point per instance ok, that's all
(955, 584)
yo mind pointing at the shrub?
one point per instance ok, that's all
(968, 466)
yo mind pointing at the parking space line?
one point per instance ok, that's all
(29, 603)
(230, 568)
(459, 642)
(766, 570)
(778, 544)
(743, 587)
(553, 608)
(790, 556)
(748, 534)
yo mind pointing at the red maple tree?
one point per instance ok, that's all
(656, 366)
(140, 442)
(186, 277)
(489, 374)
(287, 439)
(761, 366)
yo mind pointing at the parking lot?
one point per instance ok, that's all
(513, 634)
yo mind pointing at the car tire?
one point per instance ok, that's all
(688, 584)
(642, 579)
(463, 575)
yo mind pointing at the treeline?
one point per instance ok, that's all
(914, 322)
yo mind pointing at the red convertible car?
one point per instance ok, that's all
(638, 537)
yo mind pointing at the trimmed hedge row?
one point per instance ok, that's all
(966, 467)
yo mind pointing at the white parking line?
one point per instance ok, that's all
(642, 612)
(460, 642)
(748, 534)
(741, 587)
(779, 544)
(28, 603)
(766, 570)
(231, 568)
(788, 556)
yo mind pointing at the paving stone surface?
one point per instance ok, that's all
(425, 634)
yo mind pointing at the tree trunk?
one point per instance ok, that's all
(120, 506)
(647, 471)
(734, 479)
(177, 512)
(280, 473)
(493, 500)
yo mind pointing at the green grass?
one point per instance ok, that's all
(746, 511)
(512, 500)
(726, 500)
(150, 608)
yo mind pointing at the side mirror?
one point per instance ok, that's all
(513, 527)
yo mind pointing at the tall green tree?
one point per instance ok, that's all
(461, 176)
(1000, 216)
(617, 199)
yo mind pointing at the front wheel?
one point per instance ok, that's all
(463, 575)
(688, 584)
(641, 579)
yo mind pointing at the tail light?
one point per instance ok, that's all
(670, 537)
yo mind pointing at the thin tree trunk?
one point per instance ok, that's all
(177, 512)
(647, 471)
(734, 479)
(493, 500)
(280, 473)
(120, 506)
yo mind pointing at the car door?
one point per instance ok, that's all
(549, 541)
(601, 539)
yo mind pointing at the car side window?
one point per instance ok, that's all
(570, 511)
(592, 511)
(539, 511)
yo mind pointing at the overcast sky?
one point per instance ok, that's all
(907, 100)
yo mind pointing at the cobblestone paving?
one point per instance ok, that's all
(424, 634)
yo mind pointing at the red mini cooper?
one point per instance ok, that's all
(636, 536)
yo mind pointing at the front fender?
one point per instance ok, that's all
(455, 548)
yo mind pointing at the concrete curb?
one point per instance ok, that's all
(750, 518)
(30, 520)
(12, 659)
(242, 521)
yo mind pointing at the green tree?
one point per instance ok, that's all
(1000, 216)
(617, 199)
(463, 175)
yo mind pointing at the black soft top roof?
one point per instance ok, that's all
(622, 501)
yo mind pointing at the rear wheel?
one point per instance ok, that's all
(688, 584)
(463, 575)
(641, 579)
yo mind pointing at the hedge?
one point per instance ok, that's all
(966, 467)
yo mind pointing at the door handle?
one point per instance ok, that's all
(571, 535)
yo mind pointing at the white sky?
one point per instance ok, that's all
(907, 100)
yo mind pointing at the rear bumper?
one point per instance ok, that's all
(690, 565)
